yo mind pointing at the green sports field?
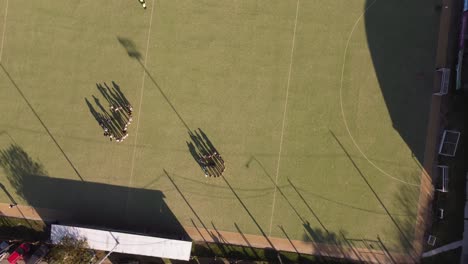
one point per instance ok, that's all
(321, 129)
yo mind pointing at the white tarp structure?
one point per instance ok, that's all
(125, 243)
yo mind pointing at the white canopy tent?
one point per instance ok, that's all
(125, 243)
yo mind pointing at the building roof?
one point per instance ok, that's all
(127, 243)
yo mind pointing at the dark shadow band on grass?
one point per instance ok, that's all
(88, 204)
(403, 58)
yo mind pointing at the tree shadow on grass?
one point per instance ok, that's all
(89, 204)
(41, 121)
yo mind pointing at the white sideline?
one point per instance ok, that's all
(4, 29)
(139, 105)
(284, 117)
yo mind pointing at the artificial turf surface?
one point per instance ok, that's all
(230, 69)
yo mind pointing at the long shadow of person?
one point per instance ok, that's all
(101, 118)
(111, 122)
(117, 101)
(205, 154)
(194, 153)
(207, 140)
(104, 93)
(93, 111)
(98, 103)
(120, 94)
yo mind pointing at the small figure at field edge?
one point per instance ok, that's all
(143, 3)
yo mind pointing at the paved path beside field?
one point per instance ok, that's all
(217, 236)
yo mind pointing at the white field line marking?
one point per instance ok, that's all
(284, 118)
(342, 108)
(141, 102)
(4, 29)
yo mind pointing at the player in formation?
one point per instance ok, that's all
(212, 164)
(115, 126)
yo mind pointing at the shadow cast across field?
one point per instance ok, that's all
(305, 223)
(41, 121)
(315, 235)
(115, 119)
(322, 243)
(246, 241)
(249, 213)
(200, 146)
(270, 244)
(403, 228)
(87, 203)
(401, 37)
(133, 52)
(205, 154)
(194, 213)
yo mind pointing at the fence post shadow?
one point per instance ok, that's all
(246, 241)
(224, 244)
(193, 211)
(203, 237)
(253, 158)
(308, 206)
(386, 250)
(352, 247)
(289, 239)
(315, 235)
(369, 244)
(250, 214)
(403, 235)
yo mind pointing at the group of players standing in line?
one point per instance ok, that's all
(205, 154)
(212, 164)
(116, 121)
